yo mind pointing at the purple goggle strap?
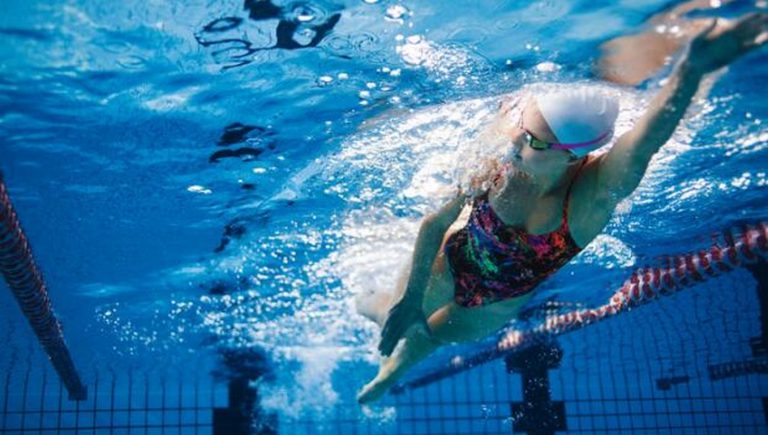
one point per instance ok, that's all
(570, 146)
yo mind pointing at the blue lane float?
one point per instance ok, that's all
(28, 287)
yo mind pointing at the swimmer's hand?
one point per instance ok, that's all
(719, 45)
(402, 316)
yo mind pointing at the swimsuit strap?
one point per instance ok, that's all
(568, 193)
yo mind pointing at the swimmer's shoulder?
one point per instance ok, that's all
(588, 210)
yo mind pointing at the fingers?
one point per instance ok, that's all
(761, 28)
(756, 30)
(705, 32)
(761, 38)
(384, 345)
(391, 333)
(712, 26)
(751, 26)
(389, 342)
(401, 318)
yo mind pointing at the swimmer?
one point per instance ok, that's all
(469, 276)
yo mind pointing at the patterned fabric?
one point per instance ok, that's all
(492, 261)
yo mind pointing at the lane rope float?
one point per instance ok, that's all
(28, 287)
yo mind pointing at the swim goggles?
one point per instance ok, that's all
(541, 145)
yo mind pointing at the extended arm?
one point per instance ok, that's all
(621, 169)
(408, 311)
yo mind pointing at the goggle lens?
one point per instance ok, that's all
(537, 144)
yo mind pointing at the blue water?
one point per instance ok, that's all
(191, 180)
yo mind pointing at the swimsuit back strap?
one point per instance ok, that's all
(568, 192)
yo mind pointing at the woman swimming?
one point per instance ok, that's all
(537, 210)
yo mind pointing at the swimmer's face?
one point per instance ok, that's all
(537, 162)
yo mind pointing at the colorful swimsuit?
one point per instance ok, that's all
(492, 261)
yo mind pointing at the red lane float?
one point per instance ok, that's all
(644, 285)
(26, 283)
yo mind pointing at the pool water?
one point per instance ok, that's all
(210, 184)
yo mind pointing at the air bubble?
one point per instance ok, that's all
(532, 47)
(413, 39)
(548, 67)
(199, 189)
(415, 51)
(396, 12)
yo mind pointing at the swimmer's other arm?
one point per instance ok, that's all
(620, 170)
(408, 310)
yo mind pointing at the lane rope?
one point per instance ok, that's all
(28, 287)
(733, 248)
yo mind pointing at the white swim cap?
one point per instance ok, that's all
(582, 119)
